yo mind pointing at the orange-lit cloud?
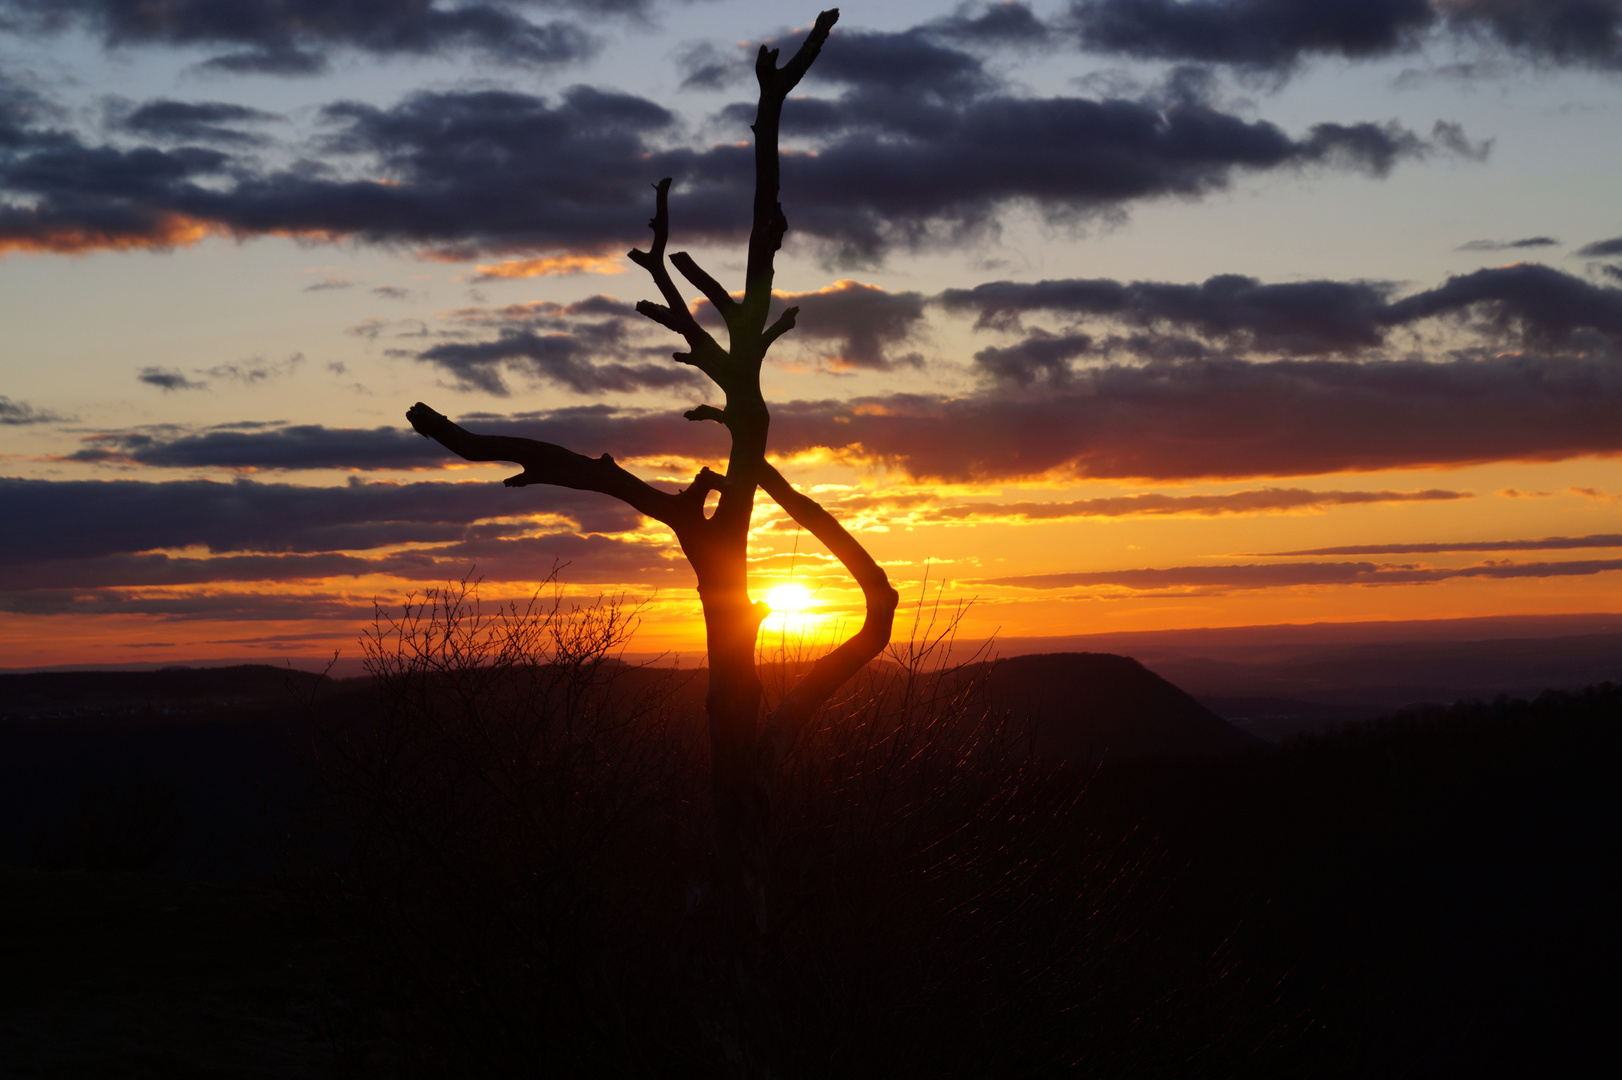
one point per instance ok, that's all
(165, 232)
(548, 266)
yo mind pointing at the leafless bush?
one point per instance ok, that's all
(505, 802)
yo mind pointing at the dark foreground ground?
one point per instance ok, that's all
(1434, 894)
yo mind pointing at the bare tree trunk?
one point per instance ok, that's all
(746, 750)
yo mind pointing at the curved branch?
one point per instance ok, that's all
(829, 673)
(548, 463)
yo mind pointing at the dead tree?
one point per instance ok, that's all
(746, 749)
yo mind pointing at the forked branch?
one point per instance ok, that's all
(707, 354)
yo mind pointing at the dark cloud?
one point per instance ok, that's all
(215, 604)
(1547, 543)
(1541, 305)
(997, 24)
(58, 194)
(303, 446)
(1578, 32)
(282, 59)
(1039, 355)
(1287, 575)
(849, 324)
(479, 170)
(1544, 305)
(892, 169)
(1257, 33)
(101, 519)
(593, 559)
(585, 347)
(470, 171)
(1277, 34)
(1232, 419)
(1196, 402)
(1602, 248)
(1209, 418)
(1297, 318)
(166, 380)
(922, 60)
(161, 571)
(21, 108)
(291, 37)
(561, 359)
(18, 413)
(707, 66)
(864, 324)
(1509, 245)
(908, 63)
(189, 121)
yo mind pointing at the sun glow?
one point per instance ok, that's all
(788, 599)
(793, 612)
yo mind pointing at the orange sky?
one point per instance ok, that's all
(1334, 340)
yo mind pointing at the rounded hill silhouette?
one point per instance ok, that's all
(1090, 707)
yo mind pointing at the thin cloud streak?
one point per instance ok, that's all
(1261, 501)
(1547, 543)
(1291, 575)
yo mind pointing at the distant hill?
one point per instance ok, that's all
(1089, 707)
(167, 690)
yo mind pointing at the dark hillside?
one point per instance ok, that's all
(1088, 707)
(1429, 894)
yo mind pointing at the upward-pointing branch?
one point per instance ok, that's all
(712, 289)
(707, 354)
(769, 223)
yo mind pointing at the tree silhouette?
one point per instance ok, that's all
(747, 749)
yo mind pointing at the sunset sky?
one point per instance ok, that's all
(1116, 314)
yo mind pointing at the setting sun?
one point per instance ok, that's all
(788, 599)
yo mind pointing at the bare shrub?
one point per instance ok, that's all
(504, 806)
